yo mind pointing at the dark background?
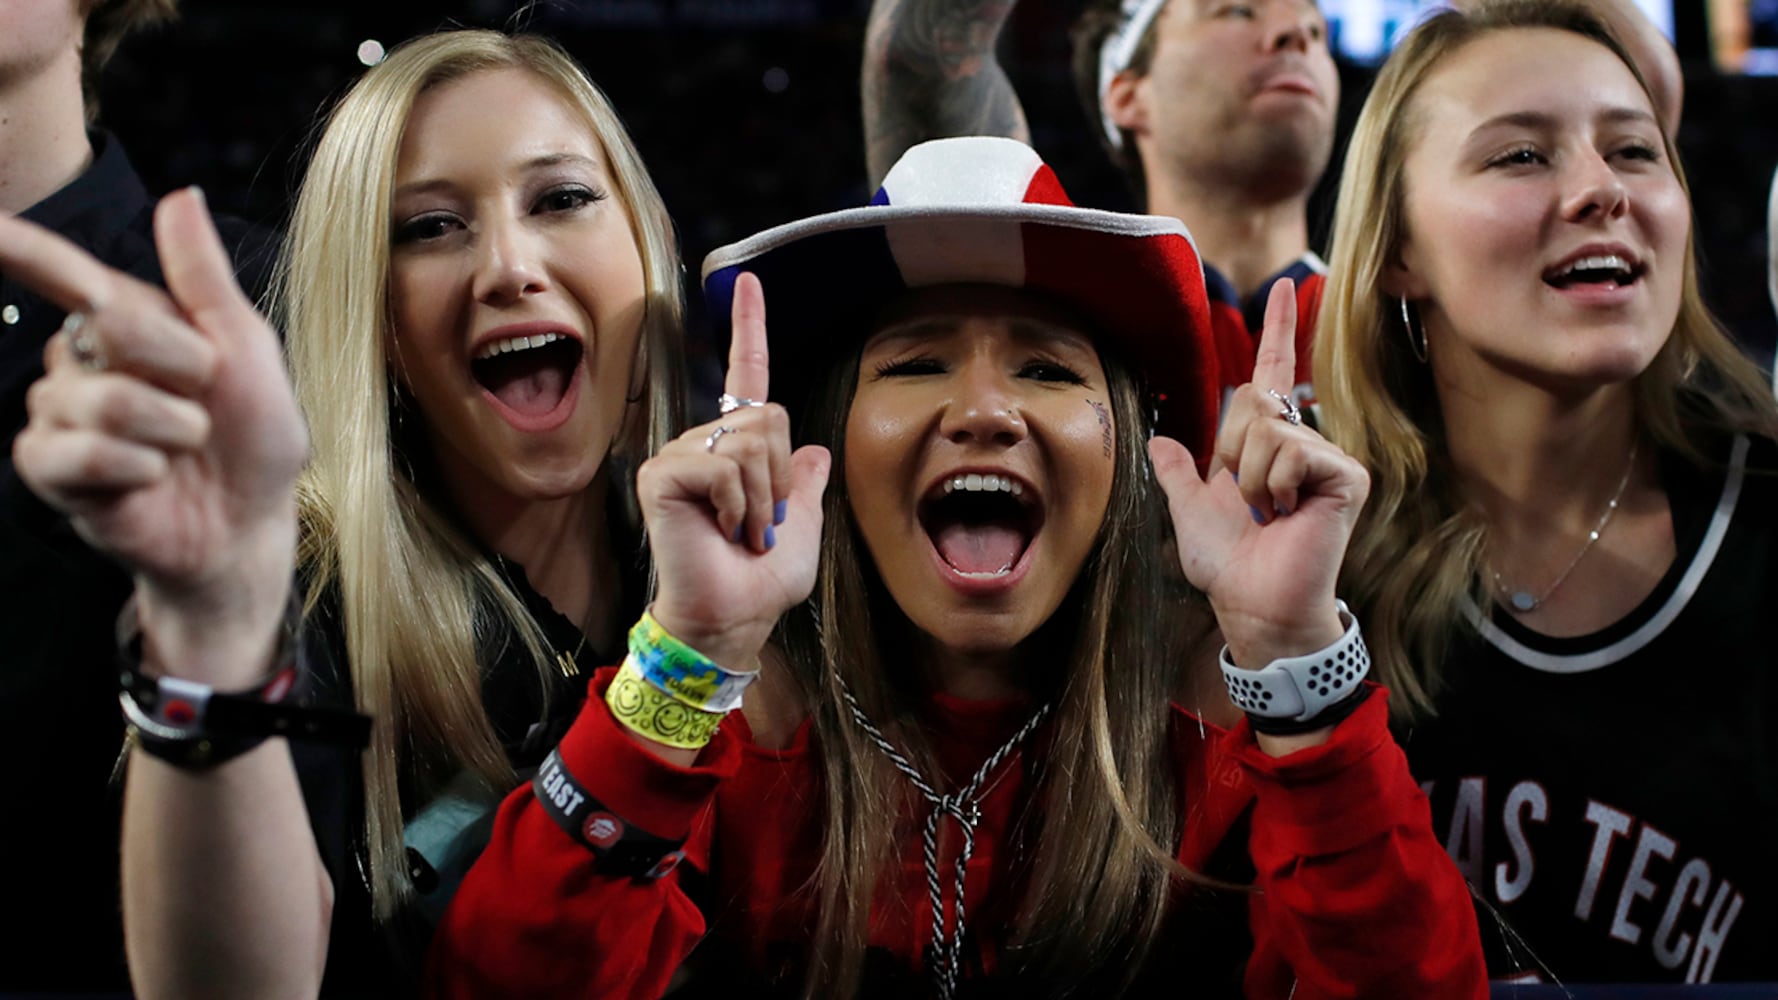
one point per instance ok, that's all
(747, 111)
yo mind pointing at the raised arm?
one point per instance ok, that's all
(578, 892)
(930, 73)
(1356, 896)
(166, 430)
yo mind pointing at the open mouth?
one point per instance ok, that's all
(1601, 271)
(529, 375)
(981, 524)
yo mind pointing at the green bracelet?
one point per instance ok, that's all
(683, 673)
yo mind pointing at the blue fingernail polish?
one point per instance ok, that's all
(1236, 476)
(779, 509)
(771, 539)
(1258, 518)
(740, 529)
(1282, 510)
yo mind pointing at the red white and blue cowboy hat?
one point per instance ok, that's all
(983, 210)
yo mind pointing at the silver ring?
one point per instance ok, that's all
(727, 404)
(715, 436)
(83, 347)
(1291, 413)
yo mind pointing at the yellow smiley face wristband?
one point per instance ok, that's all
(654, 714)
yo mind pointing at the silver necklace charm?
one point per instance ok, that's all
(1522, 600)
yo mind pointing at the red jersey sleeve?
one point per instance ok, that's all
(536, 918)
(1356, 898)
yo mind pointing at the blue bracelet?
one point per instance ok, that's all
(687, 675)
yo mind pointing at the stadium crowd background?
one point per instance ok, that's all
(747, 111)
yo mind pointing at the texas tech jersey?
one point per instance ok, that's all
(1614, 797)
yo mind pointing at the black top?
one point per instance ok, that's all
(60, 727)
(447, 824)
(1615, 796)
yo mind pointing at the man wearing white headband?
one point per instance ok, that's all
(1221, 115)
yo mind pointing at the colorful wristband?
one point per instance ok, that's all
(654, 714)
(689, 676)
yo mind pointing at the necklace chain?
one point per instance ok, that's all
(963, 805)
(568, 661)
(1523, 601)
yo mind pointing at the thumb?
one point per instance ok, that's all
(200, 275)
(1174, 469)
(809, 468)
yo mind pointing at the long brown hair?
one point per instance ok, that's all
(1419, 547)
(1102, 811)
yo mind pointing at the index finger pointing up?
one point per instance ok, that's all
(1274, 367)
(749, 360)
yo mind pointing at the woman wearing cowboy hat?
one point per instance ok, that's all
(955, 769)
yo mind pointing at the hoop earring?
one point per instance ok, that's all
(1416, 338)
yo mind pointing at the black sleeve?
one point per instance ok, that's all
(332, 779)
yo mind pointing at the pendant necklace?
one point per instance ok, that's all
(1523, 601)
(568, 662)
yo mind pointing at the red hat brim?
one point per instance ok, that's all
(1136, 278)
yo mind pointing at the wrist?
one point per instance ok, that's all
(669, 695)
(191, 724)
(734, 647)
(1274, 745)
(1297, 695)
(224, 630)
(1254, 642)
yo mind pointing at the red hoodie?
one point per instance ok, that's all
(1354, 896)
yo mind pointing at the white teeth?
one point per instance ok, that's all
(511, 344)
(1607, 262)
(1002, 571)
(978, 483)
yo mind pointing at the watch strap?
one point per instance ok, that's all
(1300, 689)
(193, 725)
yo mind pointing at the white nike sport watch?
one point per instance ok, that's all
(1299, 688)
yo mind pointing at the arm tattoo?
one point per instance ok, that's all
(930, 71)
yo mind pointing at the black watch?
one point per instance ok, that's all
(193, 725)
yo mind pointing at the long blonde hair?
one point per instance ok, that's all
(415, 591)
(1419, 548)
(1102, 811)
